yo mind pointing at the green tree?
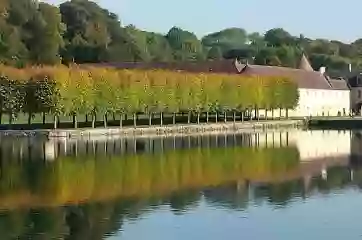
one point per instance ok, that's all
(226, 39)
(185, 45)
(277, 37)
(47, 30)
(214, 53)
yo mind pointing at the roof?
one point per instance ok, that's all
(339, 84)
(221, 66)
(304, 64)
(304, 79)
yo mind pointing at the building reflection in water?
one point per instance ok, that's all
(43, 181)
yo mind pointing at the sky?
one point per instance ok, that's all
(329, 19)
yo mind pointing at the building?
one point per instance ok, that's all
(355, 83)
(320, 95)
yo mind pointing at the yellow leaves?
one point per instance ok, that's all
(83, 88)
(69, 181)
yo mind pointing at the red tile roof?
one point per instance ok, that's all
(339, 84)
(305, 78)
(221, 66)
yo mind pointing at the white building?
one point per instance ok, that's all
(319, 95)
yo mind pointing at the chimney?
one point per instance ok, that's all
(322, 70)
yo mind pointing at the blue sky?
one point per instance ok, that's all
(329, 19)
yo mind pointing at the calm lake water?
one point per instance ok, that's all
(276, 185)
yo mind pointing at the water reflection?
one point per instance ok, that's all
(88, 189)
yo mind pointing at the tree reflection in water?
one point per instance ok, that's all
(89, 191)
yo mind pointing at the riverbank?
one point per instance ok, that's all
(228, 127)
(339, 123)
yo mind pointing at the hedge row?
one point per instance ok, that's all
(74, 90)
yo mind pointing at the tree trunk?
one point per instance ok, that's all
(207, 117)
(161, 119)
(43, 118)
(255, 113)
(216, 117)
(94, 117)
(55, 121)
(86, 118)
(174, 119)
(105, 120)
(234, 117)
(120, 120)
(189, 118)
(149, 119)
(114, 117)
(280, 113)
(225, 120)
(266, 114)
(134, 120)
(29, 118)
(242, 116)
(198, 118)
(75, 122)
(10, 119)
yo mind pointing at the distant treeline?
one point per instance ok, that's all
(34, 32)
(74, 91)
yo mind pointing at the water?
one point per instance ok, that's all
(277, 185)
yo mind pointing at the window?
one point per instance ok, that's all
(359, 94)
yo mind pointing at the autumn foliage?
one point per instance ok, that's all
(95, 91)
(66, 181)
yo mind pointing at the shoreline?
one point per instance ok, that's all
(146, 131)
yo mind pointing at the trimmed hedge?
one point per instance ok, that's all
(100, 91)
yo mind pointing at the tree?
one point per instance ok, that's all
(277, 37)
(185, 45)
(229, 38)
(242, 53)
(153, 46)
(214, 53)
(95, 35)
(47, 30)
(267, 56)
